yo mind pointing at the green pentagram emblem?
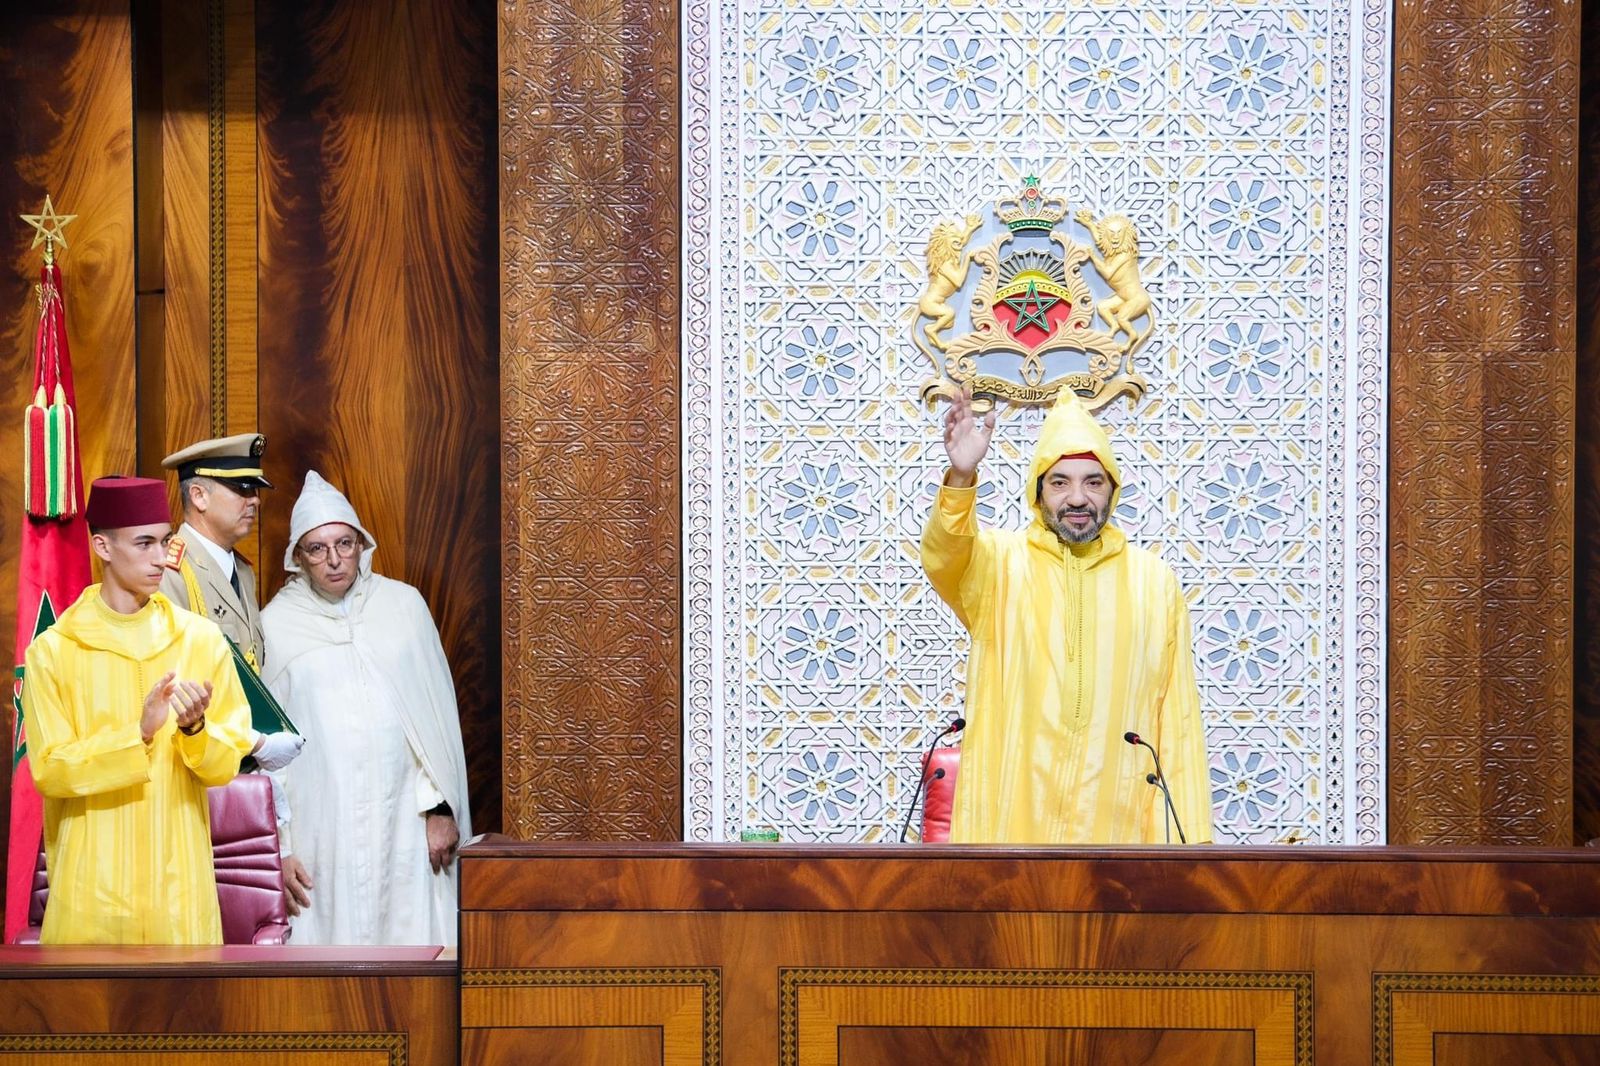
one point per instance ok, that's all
(1030, 308)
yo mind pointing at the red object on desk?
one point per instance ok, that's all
(940, 798)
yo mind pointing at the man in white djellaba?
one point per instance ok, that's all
(380, 791)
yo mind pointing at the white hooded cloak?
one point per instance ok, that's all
(367, 682)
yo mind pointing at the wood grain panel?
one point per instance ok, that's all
(828, 973)
(378, 301)
(589, 204)
(1481, 421)
(1043, 1047)
(1586, 556)
(816, 1007)
(66, 127)
(186, 1020)
(1289, 880)
(570, 1047)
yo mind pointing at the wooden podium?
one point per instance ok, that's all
(690, 955)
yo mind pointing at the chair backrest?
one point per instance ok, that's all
(244, 846)
(940, 798)
(244, 850)
(41, 888)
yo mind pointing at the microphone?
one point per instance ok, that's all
(922, 779)
(1160, 781)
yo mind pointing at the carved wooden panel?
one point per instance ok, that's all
(1482, 404)
(1586, 558)
(589, 418)
(377, 307)
(66, 127)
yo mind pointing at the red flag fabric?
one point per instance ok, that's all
(53, 567)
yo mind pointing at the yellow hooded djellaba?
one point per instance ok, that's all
(1072, 646)
(126, 824)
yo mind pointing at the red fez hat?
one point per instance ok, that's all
(119, 502)
(1081, 455)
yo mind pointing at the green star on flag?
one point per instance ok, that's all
(1030, 308)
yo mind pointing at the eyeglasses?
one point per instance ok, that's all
(316, 553)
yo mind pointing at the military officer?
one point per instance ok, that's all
(219, 482)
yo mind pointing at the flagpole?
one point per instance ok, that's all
(53, 558)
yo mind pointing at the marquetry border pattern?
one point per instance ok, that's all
(1385, 985)
(791, 981)
(395, 1044)
(708, 979)
(217, 214)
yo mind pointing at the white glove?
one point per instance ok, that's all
(278, 750)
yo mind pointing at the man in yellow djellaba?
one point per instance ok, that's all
(132, 710)
(1079, 642)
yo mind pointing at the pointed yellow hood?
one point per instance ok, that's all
(1069, 429)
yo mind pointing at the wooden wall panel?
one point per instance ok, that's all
(377, 303)
(196, 159)
(1586, 557)
(66, 127)
(589, 203)
(1481, 421)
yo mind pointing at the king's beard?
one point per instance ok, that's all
(1067, 534)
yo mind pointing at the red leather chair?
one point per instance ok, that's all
(940, 797)
(244, 846)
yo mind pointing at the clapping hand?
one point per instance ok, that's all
(192, 698)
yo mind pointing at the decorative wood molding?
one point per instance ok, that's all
(814, 1004)
(684, 1003)
(1410, 1010)
(392, 1045)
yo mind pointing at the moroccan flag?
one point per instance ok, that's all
(53, 566)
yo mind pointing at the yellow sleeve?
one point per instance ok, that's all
(953, 550)
(213, 753)
(1183, 729)
(63, 762)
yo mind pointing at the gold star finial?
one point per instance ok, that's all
(48, 226)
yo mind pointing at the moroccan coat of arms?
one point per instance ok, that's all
(1033, 323)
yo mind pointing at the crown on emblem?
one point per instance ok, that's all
(1031, 209)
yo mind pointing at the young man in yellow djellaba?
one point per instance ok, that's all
(132, 709)
(1078, 638)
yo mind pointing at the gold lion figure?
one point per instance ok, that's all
(1118, 241)
(948, 263)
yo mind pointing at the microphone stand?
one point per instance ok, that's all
(1159, 779)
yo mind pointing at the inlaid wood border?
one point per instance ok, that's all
(684, 1003)
(1409, 1009)
(814, 1003)
(393, 1044)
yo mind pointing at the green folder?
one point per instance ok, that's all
(266, 713)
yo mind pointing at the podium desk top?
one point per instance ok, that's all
(229, 960)
(600, 876)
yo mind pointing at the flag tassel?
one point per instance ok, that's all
(49, 457)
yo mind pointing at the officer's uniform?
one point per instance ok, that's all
(194, 579)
